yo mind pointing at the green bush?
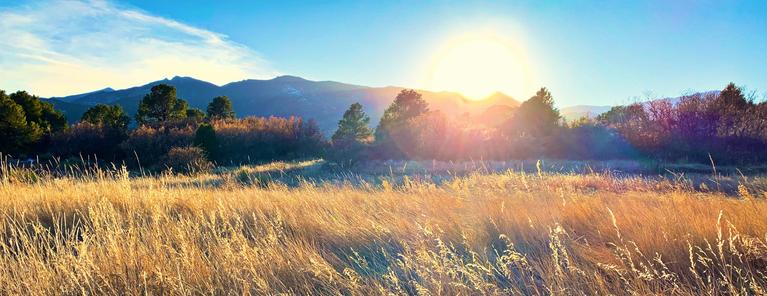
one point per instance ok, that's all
(205, 138)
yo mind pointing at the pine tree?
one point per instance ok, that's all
(111, 116)
(16, 132)
(353, 126)
(536, 116)
(732, 107)
(205, 138)
(731, 97)
(220, 108)
(407, 105)
(39, 112)
(161, 105)
(195, 114)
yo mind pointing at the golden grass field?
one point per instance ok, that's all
(494, 233)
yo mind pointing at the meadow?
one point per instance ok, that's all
(410, 229)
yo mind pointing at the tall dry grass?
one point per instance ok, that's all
(500, 233)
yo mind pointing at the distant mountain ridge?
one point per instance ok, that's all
(323, 101)
(70, 99)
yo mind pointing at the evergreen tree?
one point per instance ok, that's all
(220, 108)
(111, 116)
(53, 119)
(407, 105)
(161, 105)
(16, 132)
(732, 97)
(205, 138)
(40, 112)
(195, 114)
(536, 116)
(353, 126)
(732, 107)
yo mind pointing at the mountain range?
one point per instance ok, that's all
(323, 101)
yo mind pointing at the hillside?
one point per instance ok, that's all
(323, 101)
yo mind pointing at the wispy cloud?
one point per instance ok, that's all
(58, 47)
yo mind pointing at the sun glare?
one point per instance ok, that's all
(478, 66)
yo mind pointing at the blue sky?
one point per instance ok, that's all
(586, 52)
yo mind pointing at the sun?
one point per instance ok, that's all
(478, 66)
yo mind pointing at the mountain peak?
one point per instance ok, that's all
(178, 80)
(183, 78)
(106, 89)
(499, 95)
(78, 96)
(501, 98)
(288, 78)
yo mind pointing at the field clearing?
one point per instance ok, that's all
(245, 231)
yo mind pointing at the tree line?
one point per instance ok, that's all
(168, 133)
(726, 125)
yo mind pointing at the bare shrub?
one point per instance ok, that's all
(89, 139)
(186, 160)
(254, 139)
(150, 143)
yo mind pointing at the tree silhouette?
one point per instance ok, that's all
(161, 105)
(407, 105)
(39, 112)
(353, 126)
(536, 116)
(16, 132)
(732, 97)
(205, 138)
(732, 105)
(220, 108)
(111, 116)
